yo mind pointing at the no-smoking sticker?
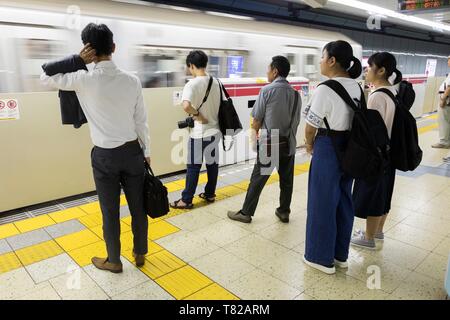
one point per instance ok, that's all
(9, 109)
(12, 104)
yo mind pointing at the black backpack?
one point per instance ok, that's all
(406, 154)
(229, 122)
(366, 155)
(406, 94)
(156, 202)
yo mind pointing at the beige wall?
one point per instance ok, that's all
(42, 160)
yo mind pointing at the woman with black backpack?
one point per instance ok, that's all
(330, 209)
(372, 200)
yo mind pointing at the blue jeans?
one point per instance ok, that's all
(207, 148)
(330, 208)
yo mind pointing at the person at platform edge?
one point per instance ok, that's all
(113, 103)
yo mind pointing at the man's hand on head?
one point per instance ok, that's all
(88, 54)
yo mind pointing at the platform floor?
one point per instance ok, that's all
(200, 254)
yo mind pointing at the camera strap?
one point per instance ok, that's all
(207, 93)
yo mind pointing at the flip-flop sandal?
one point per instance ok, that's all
(176, 206)
(209, 200)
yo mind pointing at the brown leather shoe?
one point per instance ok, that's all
(104, 264)
(140, 259)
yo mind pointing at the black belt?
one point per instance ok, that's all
(332, 133)
(121, 146)
(130, 142)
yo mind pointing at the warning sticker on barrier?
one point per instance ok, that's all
(9, 109)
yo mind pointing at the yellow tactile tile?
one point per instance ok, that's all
(203, 178)
(39, 252)
(242, 185)
(213, 292)
(303, 167)
(181, 182)
(427, 128)
(9, 261)
(183, 282)
(229, 191)
(172, 186)
(82, 256)
(160, 229)
(160, 264)
(8, 230)
(66, 215)
(123, 200)
(127, 220)
(126, 242)
(90, 208)
(98, 230)
(91, 220)
(34, 223)
(273, 178)
(77, 240)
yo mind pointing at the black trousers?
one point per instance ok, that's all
(261, 173)
(115, 168)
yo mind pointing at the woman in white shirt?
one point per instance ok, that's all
(372, 201)
(330, 208)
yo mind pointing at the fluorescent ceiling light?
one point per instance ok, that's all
(227, 15)
(391, 13)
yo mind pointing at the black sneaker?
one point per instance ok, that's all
(284, 217)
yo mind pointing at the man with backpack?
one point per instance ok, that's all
(276, 116)
(444, 114)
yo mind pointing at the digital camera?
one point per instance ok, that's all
(187, 123)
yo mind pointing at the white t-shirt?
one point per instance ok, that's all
(327, 103)
(384, 105)
(194, 91)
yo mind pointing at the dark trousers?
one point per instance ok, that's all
(113, 168)
(207, 148)
(261, 173)
(330, 208)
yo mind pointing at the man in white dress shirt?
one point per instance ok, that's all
(112, 101)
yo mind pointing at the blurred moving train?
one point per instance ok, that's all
(48, 161)
(151, 42)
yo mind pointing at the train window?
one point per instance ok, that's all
(293, 61)
(25, 61)
(165, 66)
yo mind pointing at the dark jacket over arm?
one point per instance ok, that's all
(71, 112)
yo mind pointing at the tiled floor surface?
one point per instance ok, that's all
(200, 254)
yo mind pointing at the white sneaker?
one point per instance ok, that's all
(340, 264)
(320, 267)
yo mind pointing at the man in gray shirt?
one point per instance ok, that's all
(276, 116)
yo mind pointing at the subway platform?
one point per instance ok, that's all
(201, 254)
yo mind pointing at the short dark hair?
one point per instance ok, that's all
(100, 37)
(198, 58)
(282, 65)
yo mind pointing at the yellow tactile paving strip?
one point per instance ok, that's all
(39, 252)
(8, 230)
(183, 282)
(77, 240)
(34, 223)
(9, 261)
(66, 215)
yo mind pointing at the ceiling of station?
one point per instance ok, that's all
(335, 14)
